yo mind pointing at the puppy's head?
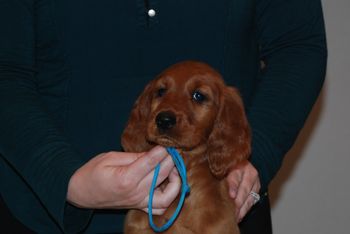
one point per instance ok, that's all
(189, 106)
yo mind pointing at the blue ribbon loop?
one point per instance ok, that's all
(185, 189)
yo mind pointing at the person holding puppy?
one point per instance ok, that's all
(71, 70)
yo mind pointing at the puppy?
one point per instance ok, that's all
(189, 107)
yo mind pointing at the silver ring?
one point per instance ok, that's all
(256, 197)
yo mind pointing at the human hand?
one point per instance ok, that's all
(117, 180)
(242, 180)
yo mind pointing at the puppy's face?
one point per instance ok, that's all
(188, 106)
(184, 104)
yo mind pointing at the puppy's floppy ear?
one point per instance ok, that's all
(134, 135)
(230, 139)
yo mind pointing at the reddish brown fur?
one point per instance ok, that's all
(212, 137)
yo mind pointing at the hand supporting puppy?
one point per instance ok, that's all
(117, 180)
(242, 180)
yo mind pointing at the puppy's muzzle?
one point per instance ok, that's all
(165, 121)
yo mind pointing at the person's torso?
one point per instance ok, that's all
(95, 57)
(104, 53)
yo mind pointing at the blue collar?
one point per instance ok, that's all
(185, 189)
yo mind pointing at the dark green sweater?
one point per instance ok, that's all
(71, 70)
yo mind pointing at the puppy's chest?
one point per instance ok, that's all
(204, 188)
(208, 196)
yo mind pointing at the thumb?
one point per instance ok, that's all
(146, 164)
(233, 180)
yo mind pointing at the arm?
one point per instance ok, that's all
(30, 142)
(292, 39)
(32, 145)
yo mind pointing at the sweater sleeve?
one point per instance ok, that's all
(30, 142)
(292, 43)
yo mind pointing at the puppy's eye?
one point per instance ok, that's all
(160, 92)
(198, 97)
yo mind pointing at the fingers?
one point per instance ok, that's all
(145, 165)
(242, 180)
(121, 158)
(166, 166)
(155, 211)
(245, 187)
(248, 203)
(142, 173)
(123, 180)
(162, 198)
(234, 178)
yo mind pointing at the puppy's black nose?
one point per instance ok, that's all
(165, 120)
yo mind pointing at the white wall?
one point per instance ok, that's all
(311, 193)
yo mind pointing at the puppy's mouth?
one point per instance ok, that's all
(167, 130)
(165, 140)
(169, 141)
